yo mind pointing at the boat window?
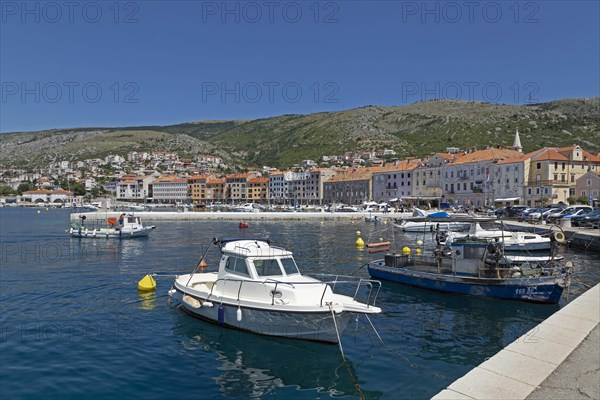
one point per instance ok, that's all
(237, 266)
(268, 267)
(130, 220)
(289, 266)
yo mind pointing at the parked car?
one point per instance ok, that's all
(583, 219)
(555, 216)
(514, 211)
(525, 214)
(540, 213)
(499, 212)
(592, 222)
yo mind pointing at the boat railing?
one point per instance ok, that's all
(371, 286)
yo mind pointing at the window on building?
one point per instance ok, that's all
(539, 165)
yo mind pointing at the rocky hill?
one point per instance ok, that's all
(416, 129)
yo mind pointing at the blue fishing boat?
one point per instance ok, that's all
(478, 268)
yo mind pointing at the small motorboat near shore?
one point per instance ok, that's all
(421, 221)
(125, 227)
(511, 241)
(258, 288)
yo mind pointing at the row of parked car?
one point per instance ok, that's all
(580, 215)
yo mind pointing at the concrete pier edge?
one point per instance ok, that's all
(522, 366)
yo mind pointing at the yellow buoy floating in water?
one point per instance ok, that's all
(418, 251)
(406, 250)
(147, 284)
(359, 242)
(39, 211)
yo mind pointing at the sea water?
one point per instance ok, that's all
(73, 325)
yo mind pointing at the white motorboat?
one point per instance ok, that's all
(259, 289)
(246, 207)
(124, 227)
(511, 241)
(428, 226)
(431, 222)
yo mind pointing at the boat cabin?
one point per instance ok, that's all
(256, 260)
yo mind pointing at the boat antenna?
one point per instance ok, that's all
(198, 264)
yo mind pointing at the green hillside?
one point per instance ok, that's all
(416, 130)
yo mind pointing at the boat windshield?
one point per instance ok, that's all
(289, 266)
(267, 267)
(237, 266)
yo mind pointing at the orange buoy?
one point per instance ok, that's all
(243, 224)
(381, 244)
(202, 264)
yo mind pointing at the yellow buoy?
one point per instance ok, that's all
(418, 251)
(147, 284)
(360, 243)
(406, 250)
(46, 208)
(419, 243)
(358, 233)
(39, 211)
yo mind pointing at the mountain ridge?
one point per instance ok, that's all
(412, 130)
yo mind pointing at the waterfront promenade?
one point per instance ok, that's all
(558, 359)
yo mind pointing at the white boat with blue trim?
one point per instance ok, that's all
(258, 288)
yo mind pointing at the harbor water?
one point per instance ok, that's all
(73, 325)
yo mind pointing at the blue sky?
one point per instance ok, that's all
(102, 63)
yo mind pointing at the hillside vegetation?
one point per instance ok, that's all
(416, 129)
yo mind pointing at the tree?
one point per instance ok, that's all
(97, 191)
(23, 187)
(6, 190)
(583, 200)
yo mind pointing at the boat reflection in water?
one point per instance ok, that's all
(250, 365)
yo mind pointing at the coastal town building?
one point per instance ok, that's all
(427, 178)
(58, 196)
(301, 187)
(353, 186)
(257, 189)
(197, 188)
(236, 187)
(215, 189)
(132, 187)
(394, 181)
(170, 189)
(588, 185)
(553, 172)
(470, 180)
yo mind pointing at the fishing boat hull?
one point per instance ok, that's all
(110, 233)
(536, 289)
(307, 325)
